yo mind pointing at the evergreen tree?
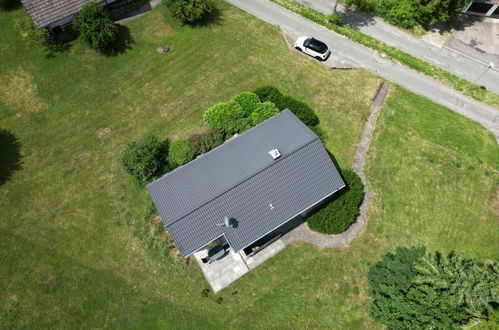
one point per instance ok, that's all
(471, 283)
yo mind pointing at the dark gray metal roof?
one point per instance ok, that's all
(239, 179)
(45, 12)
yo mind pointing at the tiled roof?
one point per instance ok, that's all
(240, 180)
(45, 12)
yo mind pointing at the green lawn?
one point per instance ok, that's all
(69, 253)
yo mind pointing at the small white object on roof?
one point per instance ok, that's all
(274, 153)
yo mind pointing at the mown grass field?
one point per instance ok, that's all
(68, 252)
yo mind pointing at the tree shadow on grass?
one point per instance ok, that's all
(123, 43)
(212, 18)
(9, 5)
(10, 155)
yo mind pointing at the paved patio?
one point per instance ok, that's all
(223, 272)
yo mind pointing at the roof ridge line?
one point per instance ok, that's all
(239, 183)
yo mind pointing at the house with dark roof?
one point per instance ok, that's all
(56, 15)
(246, 188)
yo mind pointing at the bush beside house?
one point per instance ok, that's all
(301, 110)
(96, 27)
(248, 101)
(263, 111)
(337, 215)
(228, 117)
(179, 153)
(141, 158)
(204, 142)
(146, 158)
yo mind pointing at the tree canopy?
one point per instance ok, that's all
(415, 289)
(96, 27)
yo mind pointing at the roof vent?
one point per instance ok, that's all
(274, 153)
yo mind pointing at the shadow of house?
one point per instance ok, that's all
(10, 155)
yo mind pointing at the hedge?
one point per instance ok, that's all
(204, 142)
(263, 112)
(228, 117)
(338, 214)
(248, 101)
(179, 153)
(269, 93)
(141, 158)
(301, 110)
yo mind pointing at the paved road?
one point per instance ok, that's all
(459, 64)
(410, 79)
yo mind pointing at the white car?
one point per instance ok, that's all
(313, 47)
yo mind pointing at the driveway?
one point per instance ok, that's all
(478, 37)
(410, 79)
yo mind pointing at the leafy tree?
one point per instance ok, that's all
(96, 27)
(180, 152)
(410, 13)
(248, 101)
(473, 284)
(190, 11)
(228, 117)
(263, 111)
(337, 215)
(141, 158)
(400, 303)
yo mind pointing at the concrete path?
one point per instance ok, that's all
(486, 115)
(303, 233)
(459, 64)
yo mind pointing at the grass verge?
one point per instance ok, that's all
(459, 84)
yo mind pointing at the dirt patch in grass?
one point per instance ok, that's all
(19, 90)
(103, 133)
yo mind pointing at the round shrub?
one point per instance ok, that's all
(301, 110)
(204, 142)
(263, 112)
(337, 215)
(140, 158)
(179, 153)
(228, 117)
(269, 93)
(190, 11)
(248, 101)
(95, 26)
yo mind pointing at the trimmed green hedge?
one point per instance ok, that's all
(228, 117)
(337, 215)
(263, 111)
(180, 152)
(301, 110)
(248, 101)
(204, 142)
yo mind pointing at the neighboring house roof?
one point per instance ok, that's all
(45, 12)
(240, 180)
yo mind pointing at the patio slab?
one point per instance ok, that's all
(223, 272)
